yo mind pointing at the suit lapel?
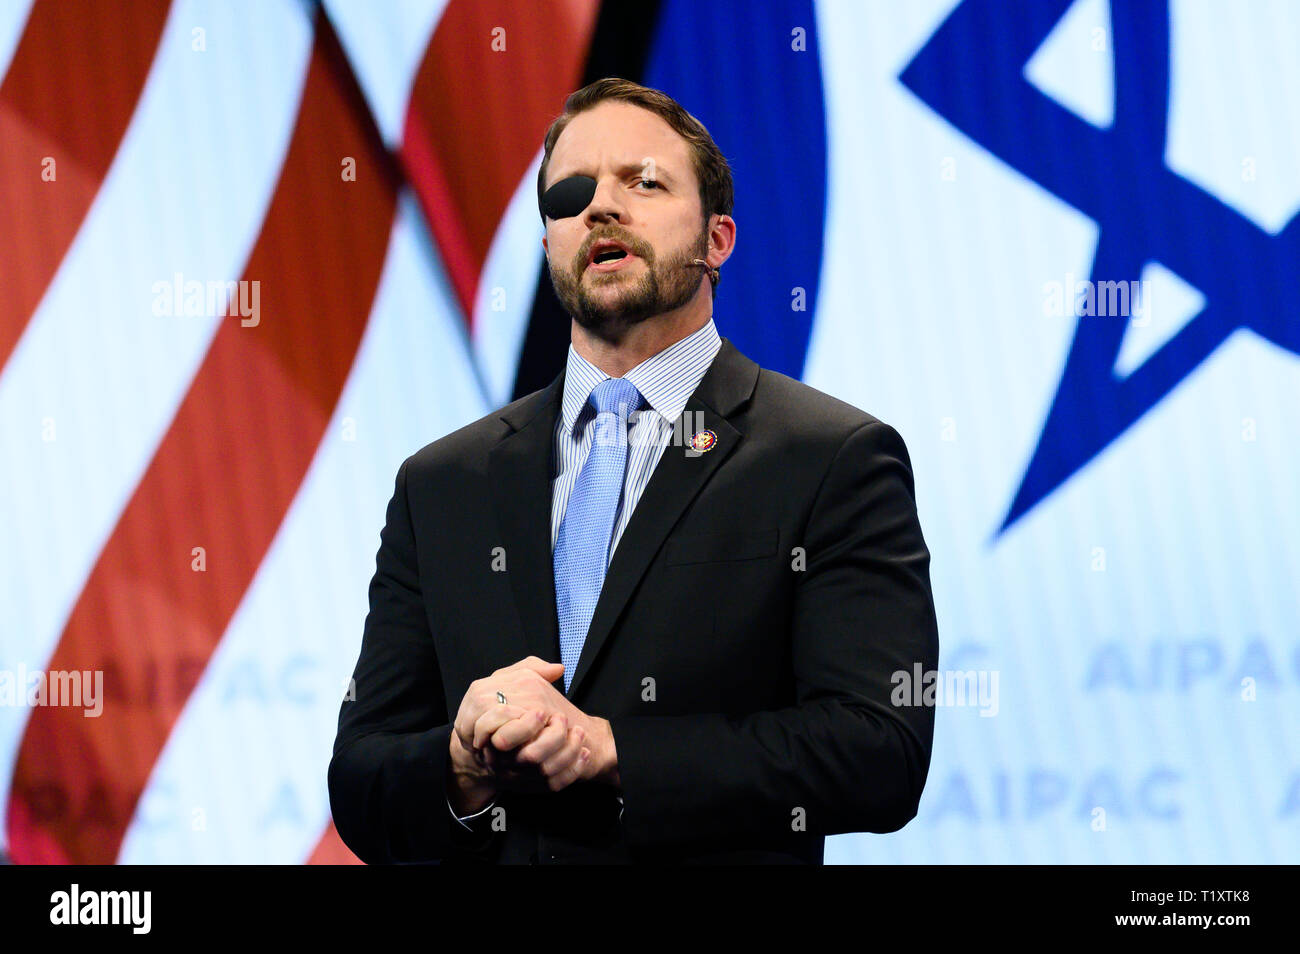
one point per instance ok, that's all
(519, 469)
(676, 481)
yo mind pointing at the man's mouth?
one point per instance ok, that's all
(608, 255)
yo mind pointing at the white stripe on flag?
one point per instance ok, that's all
(13, 18)
(506, 288)
(385, 53)
(186, 194)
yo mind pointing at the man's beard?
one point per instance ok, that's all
(662, 286)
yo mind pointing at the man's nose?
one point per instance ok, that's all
(606, 204)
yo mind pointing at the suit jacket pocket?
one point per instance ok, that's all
(727, 545)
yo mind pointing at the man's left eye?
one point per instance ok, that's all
(650, 182)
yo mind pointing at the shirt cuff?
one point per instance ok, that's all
(620, 807)
(464, 818)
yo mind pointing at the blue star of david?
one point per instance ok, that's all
(971, 73)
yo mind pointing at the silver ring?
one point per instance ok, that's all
(501, 697)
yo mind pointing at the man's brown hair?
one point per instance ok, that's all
(717, 192)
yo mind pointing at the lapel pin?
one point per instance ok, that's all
(704, 441)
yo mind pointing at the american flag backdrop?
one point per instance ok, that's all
(256, 253)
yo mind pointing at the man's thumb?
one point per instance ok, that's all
(550, 671)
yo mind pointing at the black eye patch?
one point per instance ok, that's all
(568, 197)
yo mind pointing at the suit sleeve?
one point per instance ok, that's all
(844, 758)
(387, 777)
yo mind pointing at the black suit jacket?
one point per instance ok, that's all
(759, 601)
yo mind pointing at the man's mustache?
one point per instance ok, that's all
(635, 247)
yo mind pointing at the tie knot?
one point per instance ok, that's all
(618, 395)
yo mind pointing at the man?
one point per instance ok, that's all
(653, 612)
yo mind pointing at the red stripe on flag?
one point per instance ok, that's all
(331, 850)
(478, 114)
(222, 479)
(65, 104)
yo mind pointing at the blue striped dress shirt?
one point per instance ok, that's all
(666, 382)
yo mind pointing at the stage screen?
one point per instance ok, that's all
(257, 253)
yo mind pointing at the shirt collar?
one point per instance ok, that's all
(666, 380)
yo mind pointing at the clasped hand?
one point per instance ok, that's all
(536, 741)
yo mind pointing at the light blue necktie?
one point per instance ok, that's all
(582, 546)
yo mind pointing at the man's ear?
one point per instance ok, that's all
(724, 227)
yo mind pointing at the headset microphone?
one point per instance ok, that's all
(713, 272)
